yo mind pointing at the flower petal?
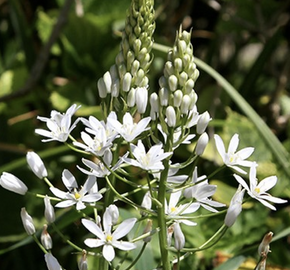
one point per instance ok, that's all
(124, 245)
(93, 228)
(124, 228)
(92, 242)
(108, 252)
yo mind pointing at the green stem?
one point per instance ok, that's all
(39, 244)
(161, 209)
(138, 257)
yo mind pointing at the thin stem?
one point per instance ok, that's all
(161, 209)
(138, 257)
(39, 244)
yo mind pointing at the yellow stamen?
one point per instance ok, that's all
(77, 195)
(257, 190)
(109, 238)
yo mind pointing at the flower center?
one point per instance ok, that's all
(109, 238)
(257, 190)
(173, 209)
(77, 195)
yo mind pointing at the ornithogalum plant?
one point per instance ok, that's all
(141, 131)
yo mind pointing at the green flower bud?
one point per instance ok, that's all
(189, 86)
(131, 99)
(178, 64)
(178, 95)
(183, 78)
(126, 85)
(172, 82)
(135, 67)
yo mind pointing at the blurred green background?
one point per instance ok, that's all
(246, 41)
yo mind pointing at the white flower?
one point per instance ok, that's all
(99, 169)
(129, 130)
(97, 145)
(232, 158)
(49, 210)
(258, 191)
(36, 165)
(51, 262)
(235, 207)
(27, 222)
(174, 212)
(150, 161)
(75, 196)
(106, 238)
(59, 125)
(12, 183)
(201, 190)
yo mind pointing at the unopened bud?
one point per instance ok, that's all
(169, 69)
(178, 95)
(139, 77)
(83, 264)
(36, 165)
(202, 122)
(163, 96)
(171, 116)
(27, 222)
(179, 239)
(201, 144)
(12, 183)
(154, 102)
(141, 99)
(108, 81)
(183, 78)
(126, 86)
(184, 107)
(102, 88)
(169, 235)
(113, 212)
(264, 247)
(135, 67)
(148, 229)
(189, 86)
(115, 88)
(131, 99)
(178, 64)
(49, 210)
(172, 82)
(45, 238)
(162, 82)
(147, 201)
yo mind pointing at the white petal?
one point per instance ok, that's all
(65, 204)
(174, 198)
(69, 180)
(51, 262)
(220, 146)
(59, 193)
(124, 228)
(108, 252)
(234, 143)
(267, 184)
(93, 228)
(92, 243)
(124, 245)
(242, 182)
(92, 197)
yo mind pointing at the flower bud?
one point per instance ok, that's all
(179, 239)
(183, 78)
(184, 107)
(45, 238)
(130, 57)
(147, 201)
(51, 262)
(148, 229)
(131, 99)
(178, 95)
(162, 82)
(135, 67)
(189, 86)
(171, 116)
(27, 222)
(202, 122)
(141, 99)
(83, 264)
(169, 235)
(114, 73)
(36, 165)
(108, 81)
(114, 213)
(169, 69)
(182, 46)
(264, 247)
(115, 88)
(163, 96)
(126, 86)
(154, 102)
(235, 207)
(201, 144)
(102, 88)
(12, 183)
(178, 64)
(172, 82)
(139, 77)
(48, 211)
(137, 45)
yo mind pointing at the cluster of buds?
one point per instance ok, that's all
(176, 98)
(127, 77)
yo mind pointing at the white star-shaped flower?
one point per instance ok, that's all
(258, 191)
(201, 191)
(108, 239)
(100, 169)
(149, 161)
(75, 195)
(129, 130)
(174, 211)
(232, 158)
(59, 125)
